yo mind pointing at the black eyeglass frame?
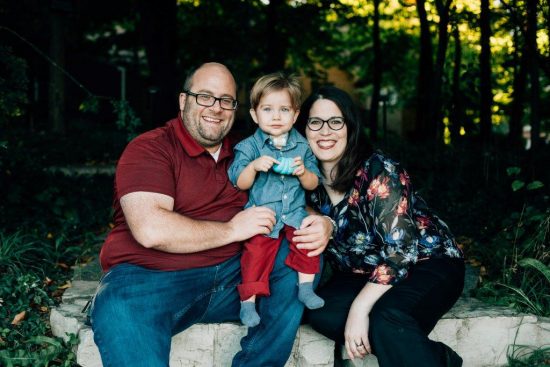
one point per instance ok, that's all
(215, 99)
(328, 122)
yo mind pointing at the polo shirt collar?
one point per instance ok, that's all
(190, 145)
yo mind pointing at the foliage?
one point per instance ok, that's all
(48, 223)
(527, 356)
(126, 118)
(34, 275)
(13, 85)
(520, 258)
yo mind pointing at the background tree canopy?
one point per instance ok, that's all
(461, 67)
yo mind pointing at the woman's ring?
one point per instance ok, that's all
(359, 345)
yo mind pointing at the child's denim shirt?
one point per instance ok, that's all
(282, 193)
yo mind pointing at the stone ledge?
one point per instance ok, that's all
(201, 345)
(480, 333)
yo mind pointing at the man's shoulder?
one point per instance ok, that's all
(162, 137)
(159, 135)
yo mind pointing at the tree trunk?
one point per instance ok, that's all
(534, 95)
(425, 72)
(158, 31)
(276, 41)
(443, 10)
(377, 73)
(486, 100)
(56, 92)
(518, 94)
(457, 112)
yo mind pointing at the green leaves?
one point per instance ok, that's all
(536, 265)
(518, 184)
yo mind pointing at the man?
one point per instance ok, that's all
(173, 257)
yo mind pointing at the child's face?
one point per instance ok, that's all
(275, 114)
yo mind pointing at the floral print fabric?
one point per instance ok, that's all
(382, 226)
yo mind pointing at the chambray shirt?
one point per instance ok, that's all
(282, 193)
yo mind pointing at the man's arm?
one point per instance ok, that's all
(155, 225)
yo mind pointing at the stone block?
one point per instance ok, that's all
(201, 345)
(480, 333)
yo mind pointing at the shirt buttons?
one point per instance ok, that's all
(283, 216)
(285, 196)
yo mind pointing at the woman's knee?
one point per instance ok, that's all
(330, 324)
(385, 321)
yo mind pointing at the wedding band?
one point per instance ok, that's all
(359, 345)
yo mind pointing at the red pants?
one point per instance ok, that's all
(259, 257)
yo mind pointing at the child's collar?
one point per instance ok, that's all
(279, 141)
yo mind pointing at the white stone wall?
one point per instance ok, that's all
(479, 333)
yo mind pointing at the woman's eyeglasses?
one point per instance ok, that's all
(334, 123)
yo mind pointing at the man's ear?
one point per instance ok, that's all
(182, 100)
(253, 114)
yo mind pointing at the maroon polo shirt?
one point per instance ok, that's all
(169, 161)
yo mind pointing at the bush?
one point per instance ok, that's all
(28, 287)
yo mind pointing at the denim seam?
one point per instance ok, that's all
(178, 315)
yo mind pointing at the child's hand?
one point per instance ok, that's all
(264, 163)
(300, 168)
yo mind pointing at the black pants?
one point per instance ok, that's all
(401, 320)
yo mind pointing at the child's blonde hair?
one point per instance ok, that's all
(276, 82)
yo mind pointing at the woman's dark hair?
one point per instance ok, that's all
(357, 147)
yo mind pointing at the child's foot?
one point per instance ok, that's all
(249, 316)
(307, 296)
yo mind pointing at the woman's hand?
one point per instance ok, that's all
(356, 333)
(314, 234)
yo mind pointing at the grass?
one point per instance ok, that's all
(527, 356)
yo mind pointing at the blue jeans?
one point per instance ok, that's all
(136, 311)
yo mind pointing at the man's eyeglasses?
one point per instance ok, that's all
(206, 100)
(334, 123)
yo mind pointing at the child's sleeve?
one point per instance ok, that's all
(245, 153)
(310, 162)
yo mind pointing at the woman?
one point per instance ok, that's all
(396, 267)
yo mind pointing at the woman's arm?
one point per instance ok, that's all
(389, 204)
(357, 324)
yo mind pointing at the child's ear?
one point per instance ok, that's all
(253, 114)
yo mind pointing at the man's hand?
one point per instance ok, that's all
(314, 234)
(250, 222)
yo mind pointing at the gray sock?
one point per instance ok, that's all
(249, 316)
(307, 296)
